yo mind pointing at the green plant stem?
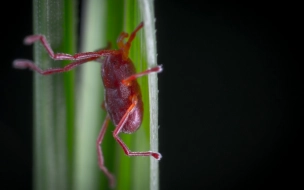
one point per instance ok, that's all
(147, 11)
(89, 113)
(53, 97)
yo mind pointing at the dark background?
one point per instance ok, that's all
(231, 105)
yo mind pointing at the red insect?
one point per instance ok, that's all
(123, 101)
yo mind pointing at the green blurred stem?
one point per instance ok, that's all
(147, 11)
(53, 97)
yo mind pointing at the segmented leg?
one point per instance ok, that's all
(125, 47)
(122, 144)
(23, 64)
(64, 56)
(132, 36)
(99, 151)
(120, 39)
(128, 80)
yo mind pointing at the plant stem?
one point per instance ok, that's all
(53, 97)
(147, 10)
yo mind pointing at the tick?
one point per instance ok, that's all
(123, 100)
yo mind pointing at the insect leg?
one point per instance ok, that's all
(137, 75)
(64, 56)
(23, 64)
(56, 56)
(126, 47)
(122, 144)
(120, 39)
(99, 151)
(132, 35)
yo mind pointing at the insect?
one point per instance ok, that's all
(123, 100)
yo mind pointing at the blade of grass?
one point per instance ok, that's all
(143, 54)
(89, 112)
(147, 11)
(53, 97)
(100, 24)
(139, 140)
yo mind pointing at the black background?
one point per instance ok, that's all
(231, 105)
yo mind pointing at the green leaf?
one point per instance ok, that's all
(53, 97)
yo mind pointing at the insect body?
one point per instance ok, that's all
(123, 101)
(119, 97)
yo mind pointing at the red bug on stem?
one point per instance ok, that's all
(123, 101)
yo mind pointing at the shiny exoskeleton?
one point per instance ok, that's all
(119, 96)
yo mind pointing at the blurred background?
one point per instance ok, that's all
(230, 95)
